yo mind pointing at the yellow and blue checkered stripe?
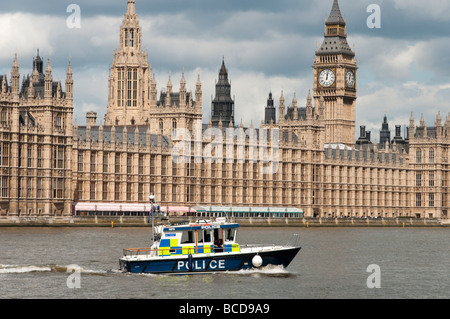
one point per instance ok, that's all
(166, 245)
(231, 247)
(169, 247)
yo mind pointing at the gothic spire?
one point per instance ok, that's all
(438, 121)
(69, 67)
(169, 84)
(69, 82)
(38, 64)
(198, 84)
(48, 88)
(335, 16)
(335, 40)
(48, 70)
(15, 63)
(223, 73)
(422, 121)
(15, 76)
(222, 106)
(183, 80)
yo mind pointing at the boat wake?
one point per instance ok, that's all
(269, 271)
(21, 269)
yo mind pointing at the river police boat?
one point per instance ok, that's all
(203, 246)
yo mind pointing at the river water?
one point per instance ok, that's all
(333, 263)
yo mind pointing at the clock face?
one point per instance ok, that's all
(326, 78)
(350, 78)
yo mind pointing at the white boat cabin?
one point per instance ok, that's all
(201, 237)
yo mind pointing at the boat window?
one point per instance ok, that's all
(207, 236)
(187, 237)
(199, 236)
(230, 234)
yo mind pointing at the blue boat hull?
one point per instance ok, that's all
(209, 263)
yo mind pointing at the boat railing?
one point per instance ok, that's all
(255, 247)
(134, 252)
(160, 252)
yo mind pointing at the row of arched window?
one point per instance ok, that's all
(161, 124)
(419, 153)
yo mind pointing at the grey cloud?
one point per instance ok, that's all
(195, 8)
(274, 38)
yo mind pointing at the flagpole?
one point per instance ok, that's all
(152, 200)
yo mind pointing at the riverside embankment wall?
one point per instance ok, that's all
(97, 221)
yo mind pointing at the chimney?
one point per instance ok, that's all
(397, 130)
(362, 131)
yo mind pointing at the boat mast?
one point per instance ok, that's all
(152, 201)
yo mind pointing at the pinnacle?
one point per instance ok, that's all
(49, 67)
(131, 7)
(223, 68)
(15, 63)
(69, 68)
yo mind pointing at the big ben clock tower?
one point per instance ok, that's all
(334, 72)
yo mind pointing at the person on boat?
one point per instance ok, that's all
(218, 245)
(217, 242)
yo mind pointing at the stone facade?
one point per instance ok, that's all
(36, 132)
(307, 158)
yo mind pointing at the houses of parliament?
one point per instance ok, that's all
(48, 163)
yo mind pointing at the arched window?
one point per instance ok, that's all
(58, 121)
(418, 156)
(431, 156)
(3, 117)
(161, 125)
(174, 124)
(131, 38)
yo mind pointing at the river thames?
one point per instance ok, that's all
(356, 263)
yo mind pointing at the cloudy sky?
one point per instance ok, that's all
(404, 66)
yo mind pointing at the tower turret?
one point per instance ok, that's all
(281, 108)
(270, 114)
(222, 107)
(198, 94)
(48, 88)
(309, 107)
(15, 78)
(385, 133)
(128, 98)
(69, 82)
